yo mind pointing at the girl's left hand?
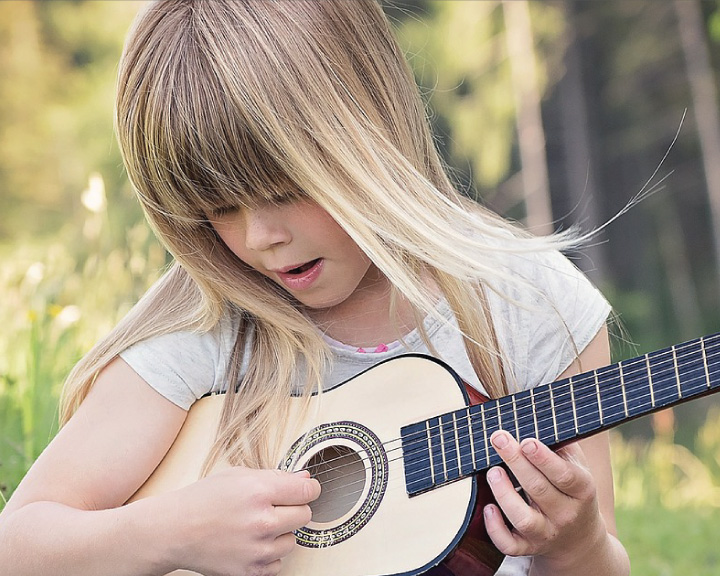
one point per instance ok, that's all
(562, 518)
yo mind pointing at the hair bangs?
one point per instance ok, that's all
(197, 141)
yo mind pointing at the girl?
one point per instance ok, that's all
(281, 153)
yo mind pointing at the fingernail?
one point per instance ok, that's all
(493, 475)
(499, 440)
(529, 447)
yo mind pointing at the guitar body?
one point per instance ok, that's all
(364, 522)
(401, 454)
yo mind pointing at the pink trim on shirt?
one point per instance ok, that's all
(379, 348)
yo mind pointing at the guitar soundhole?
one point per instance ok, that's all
(351, 464)
(341, 473)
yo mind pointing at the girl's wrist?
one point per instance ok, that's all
(600, 555)
(161, 531)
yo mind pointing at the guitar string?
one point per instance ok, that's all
(454, 459)
(561, 392)
(661, 381)
(615, 395)
(394, 483)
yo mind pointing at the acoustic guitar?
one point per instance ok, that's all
(401, 454)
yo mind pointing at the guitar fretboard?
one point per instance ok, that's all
(457, 444)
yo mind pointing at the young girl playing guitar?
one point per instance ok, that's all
(282, 154)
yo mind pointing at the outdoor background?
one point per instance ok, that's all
(553, 113)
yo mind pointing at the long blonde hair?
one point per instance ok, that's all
(226, 102)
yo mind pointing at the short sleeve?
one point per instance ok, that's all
(184, 366)
(546, 318)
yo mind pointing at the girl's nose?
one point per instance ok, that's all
(265, 229)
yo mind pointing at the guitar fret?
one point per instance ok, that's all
(450, 448)
(492, 424)
(442, 450)
(691, 369)
(429, 438)
(438, 451)
(507, 415)
(612, 394)
(517, 420)
(457, 441)
(572, 400)
(476, 438)
(417, 456)
(544, 414)
(471, 434)
(663, 376)
(523, 413)
(586, 405)
(484, 428)
(554, 418)
(705, 362)
(564, 410)
(624, 392)
(677, 372)
(463, 439)
(650, 381)
(534, 411)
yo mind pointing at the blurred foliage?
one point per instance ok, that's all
(58, 300)
(469, 87)
(58, 61)
(76, 252)
(673, 542)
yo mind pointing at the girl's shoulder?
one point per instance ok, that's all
(186, 365)
(545, 311)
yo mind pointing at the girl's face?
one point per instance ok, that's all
(300, 247)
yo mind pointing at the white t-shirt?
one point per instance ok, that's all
(539, 330)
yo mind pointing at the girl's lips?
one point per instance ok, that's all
(304, 276)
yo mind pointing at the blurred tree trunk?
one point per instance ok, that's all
(674, 253)
(705, 104)
(531, 134)
(577, 149)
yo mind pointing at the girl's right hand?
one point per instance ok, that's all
(240, 521)
(67, 515)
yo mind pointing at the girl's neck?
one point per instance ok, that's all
(365, 321)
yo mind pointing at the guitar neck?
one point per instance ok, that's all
(457, 444)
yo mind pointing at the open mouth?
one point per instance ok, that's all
(304, 268)
(302, 277)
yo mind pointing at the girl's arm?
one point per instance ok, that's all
(67, 515)
(569, 526)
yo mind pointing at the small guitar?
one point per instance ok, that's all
(401, 455)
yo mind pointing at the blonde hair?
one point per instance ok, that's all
(227, 102)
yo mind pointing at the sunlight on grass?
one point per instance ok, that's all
(668, 501)
(664, 474)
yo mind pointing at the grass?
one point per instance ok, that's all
(668, 501)
(675, 542)
(58, 298)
